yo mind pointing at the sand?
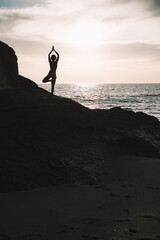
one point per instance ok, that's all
(124, 204)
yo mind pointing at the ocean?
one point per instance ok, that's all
(137, 97)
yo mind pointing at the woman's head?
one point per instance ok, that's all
(53, 57)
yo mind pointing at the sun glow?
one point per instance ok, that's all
(85, 33)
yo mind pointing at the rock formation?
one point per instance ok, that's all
(47, 139)
(9, 77)
(8, 66)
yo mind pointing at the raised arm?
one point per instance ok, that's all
(56, 53)
(49, 55)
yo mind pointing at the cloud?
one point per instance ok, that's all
(19, 3)
(51, 22)
(114, 19)
(152, 6)
(9, 19)
(134, 50)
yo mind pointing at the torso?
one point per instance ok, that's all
(53, 66)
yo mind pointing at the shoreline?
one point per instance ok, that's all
(84, 94)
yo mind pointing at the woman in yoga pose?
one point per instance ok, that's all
(53, 61)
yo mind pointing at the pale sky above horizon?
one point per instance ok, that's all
(99, 41)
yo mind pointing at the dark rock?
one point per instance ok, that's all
(9, 77)
(24, 82)
(8, 66)
(48, 140)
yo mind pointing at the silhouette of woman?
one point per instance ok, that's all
(53, 61)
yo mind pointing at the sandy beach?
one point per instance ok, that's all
(121, 204)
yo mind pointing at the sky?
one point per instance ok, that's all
(99, 41)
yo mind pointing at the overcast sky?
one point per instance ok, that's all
(99, 41)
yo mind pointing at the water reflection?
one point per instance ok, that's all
(138, 97)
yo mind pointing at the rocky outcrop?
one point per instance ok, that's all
(48, 140)
(23, 82)
(8, 66)
(9, 77)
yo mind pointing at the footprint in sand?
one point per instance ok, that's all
(127, 211)
(90, 220)
(132, 230)
(120, 179)
(121, 220)
(131, 185)
(4, 237)
(64, 228)
(126, 197)
(153, 188)
(113, 195)
(153, 217)
(146, 238)
(106, 173)
(32, 236)
(89, 237)
(101, 206)
(85, 236)
(103, 187)
(123, 186)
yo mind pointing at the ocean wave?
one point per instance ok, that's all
(136, 97)
(147, 95)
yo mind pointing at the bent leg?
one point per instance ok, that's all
(46, 79)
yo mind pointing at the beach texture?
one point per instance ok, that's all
(122, 204)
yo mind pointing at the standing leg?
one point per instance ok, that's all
(52, 87)
(53, 81)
